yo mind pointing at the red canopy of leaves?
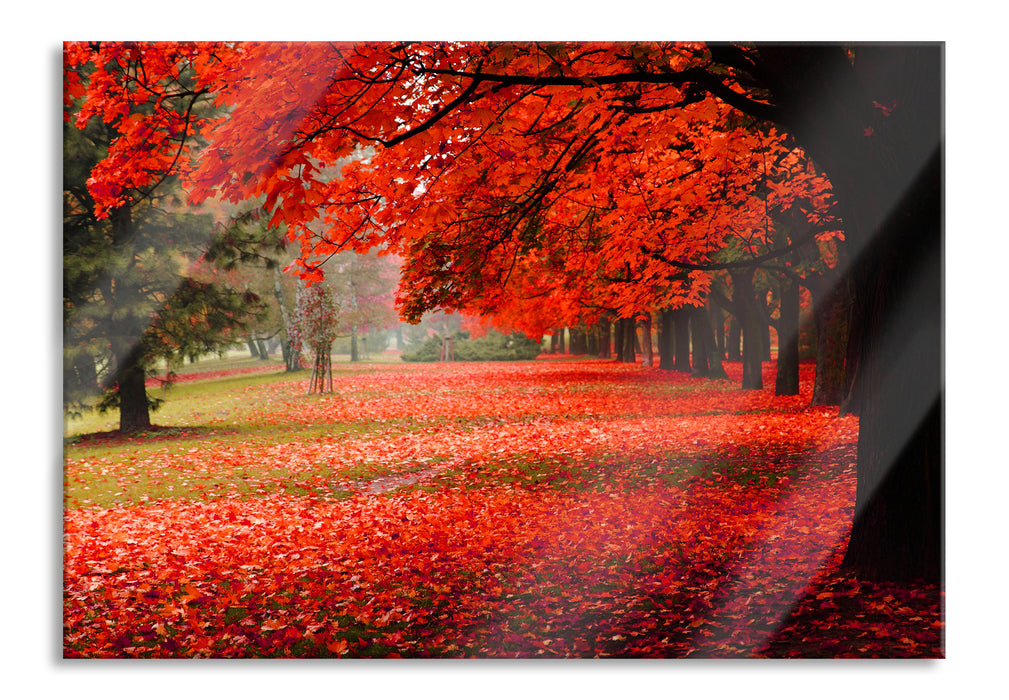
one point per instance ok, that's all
(510, 177)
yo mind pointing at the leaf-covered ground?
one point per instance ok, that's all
(541, 509)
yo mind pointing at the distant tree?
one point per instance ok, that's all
(316, 327)
(257, 252)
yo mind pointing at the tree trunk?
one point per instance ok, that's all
(765, 335)
(750, 322)
(831, 309)
(732, 353)
(618, 339)
(322, 372)
(666, 339)
(717, 320)
(681, 330)
(291, 349)
(605, 342)
(699, 341)
(647, 357)
(134, 410)
(578, 342)
(871, 115)
(629, 340)
(354, 355)
(898, 529)
(715, 368)
(787, 379)
(126, 338)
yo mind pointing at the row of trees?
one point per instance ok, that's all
(543, 185)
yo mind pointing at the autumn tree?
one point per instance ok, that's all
(634, 156)
(317, 317)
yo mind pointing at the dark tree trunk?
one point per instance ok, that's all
(872, 117)
(292, 358)
(681, 331)
(629, 340)
(715, 368)
(261, 346)
(666, 339)
(592, 340)
(354, 354)
(605, 341)
(253, 350)
(897, 533)
(292, 353)
(578, 341)
(717, 320)
(732, 353)
(126, 337)
(786, 381)
(700, 345)
(750, 321)
(134, 410)
(831, 309)
(618, 339)
(647, 358)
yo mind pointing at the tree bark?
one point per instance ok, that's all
(666, 339)
(629, 340)
(578, 342)
(831, 309)
(897, 532)
(134, 410)
(290, 349)
(127, 337)
(732, 353)
(717, 320)
(786, 381)
(715, 368)
(700, 344)
(618, 339)
(604, 331)
(645, 328)
(681, 331)
(872, 117)
(750, 323)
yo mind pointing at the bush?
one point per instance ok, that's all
(493, 347)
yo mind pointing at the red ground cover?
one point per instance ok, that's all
(561, 509)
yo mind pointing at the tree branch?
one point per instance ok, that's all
(709, 81)
(740, 264)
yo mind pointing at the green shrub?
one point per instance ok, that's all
(493, 347)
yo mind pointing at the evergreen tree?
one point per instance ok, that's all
(129, 302)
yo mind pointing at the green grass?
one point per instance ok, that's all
(194, 413)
